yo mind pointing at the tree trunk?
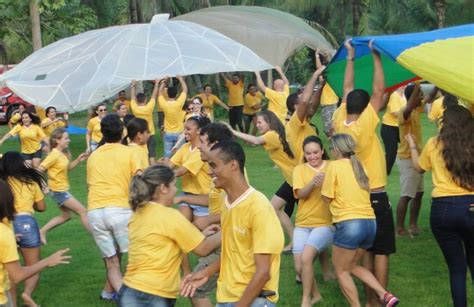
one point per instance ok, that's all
(35, 25)
(133, 11)
(342, 15)
(198, 83)
(356, 14)
(440, 6)
(140, 18)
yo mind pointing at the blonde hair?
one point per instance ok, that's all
(55, 136)
(345, 144)
(143, 186)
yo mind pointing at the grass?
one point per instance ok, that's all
(418, 273)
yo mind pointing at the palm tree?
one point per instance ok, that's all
(440, 6)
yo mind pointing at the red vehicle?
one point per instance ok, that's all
(9, 101)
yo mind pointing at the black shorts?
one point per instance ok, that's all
(248, 118)
(384, 243)
(286, 192)
(151, 145)
(161, 120)
(37, 154)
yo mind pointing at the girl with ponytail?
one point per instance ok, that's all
(346, 190)
(159, 235)
(137, 138)
(273, 139)
(57, 165)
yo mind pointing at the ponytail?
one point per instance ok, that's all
(359, 173)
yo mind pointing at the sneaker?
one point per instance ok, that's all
(390, 300)
(110, 297)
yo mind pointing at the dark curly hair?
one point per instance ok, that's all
(457, 145)
(275, 124)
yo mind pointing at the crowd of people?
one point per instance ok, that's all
(343, 213)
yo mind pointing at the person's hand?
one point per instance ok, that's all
(348, 44)
(227, 125)
(177, 200)
(211, 229)
(318, 180)
(277, 68)
(58, 258)
(191, 282)
(83, 156)
(319, 70)
(410, 139)
(134, 83)
(46, 149)
(163, 161)
(371, 47)
(18, 237)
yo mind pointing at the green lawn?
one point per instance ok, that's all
(418, 274)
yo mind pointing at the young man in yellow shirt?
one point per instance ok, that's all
(358, 118)
(109, 171)
(141, 109)
(235, 86)
(252, 238)
(172, 108)
(276, 96)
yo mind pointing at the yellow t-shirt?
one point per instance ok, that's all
(277, 101)
(145, 112)
(437, 110)
(197, 179)
(30, 137)
(8, 253)
(158, 236)
(368, 148)
(208, 103)
(251, 101)
(443, 183)
(249, 226)
(25, 195)
(109, 171)
(328, 97)
(312, 211)
(126, 102)
(275, 150)
(140, 154)
(57, 163)
(395, 103)
(40, 112)
(349, 200)
(94, 126)
(15, 118)
(217, 197)
(236, 93)
(296, 132)
(411, 125)
(48, 130)
(174, 113)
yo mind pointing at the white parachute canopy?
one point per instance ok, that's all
(80, 71)
(272, 34)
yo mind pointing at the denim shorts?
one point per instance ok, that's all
(37, 154)
(129, 297)
(94, 145)
(258, 302)
(357, 233)
(169, 140)
(197, 210)
(60, 197)
(318, 237)
(27, 231)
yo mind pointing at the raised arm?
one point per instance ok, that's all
(431, 96)
(133, 90)
(349, 72)
(256, 140)
(302, 110)
(282, 75)
(184, 86)
(225, 76)
(378, 84)
(219, 102)
(260, 83)
(155, 89)
(412, 102)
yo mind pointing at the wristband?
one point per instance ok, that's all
(350, 58)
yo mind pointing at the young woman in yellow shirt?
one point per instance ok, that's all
(313, 225)
(449, 156)
(137, 138)
(57, 165)
(93, 134)
(52, 122)
(159, 235)
(273, 139)
(346, 190)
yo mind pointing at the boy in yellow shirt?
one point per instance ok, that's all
(141, 109)
(235, 86)
(276, 96)
(358, 117)
(252, 238)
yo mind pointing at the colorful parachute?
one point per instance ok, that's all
(443, 57)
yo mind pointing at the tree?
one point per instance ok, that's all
(440, 6)
(35, 24)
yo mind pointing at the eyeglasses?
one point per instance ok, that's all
(102, 110)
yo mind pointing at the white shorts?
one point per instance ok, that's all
(318, 237)
(411, 181)
(110, 229)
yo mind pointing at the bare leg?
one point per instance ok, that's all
(401, 213)
(311, 293)
(297, 262)
(414, 213)
(114, 274)
(30, 256)
(13, 294)
(187, 212)
(328, 274)
(344, 261)
(201, 302)
(278, 204)
(54, 222)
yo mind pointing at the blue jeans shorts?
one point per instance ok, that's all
(258, 302)
(169, 140)
(129, 297)
(356, 233)
(60, 197)
(318, 237)
(197, 210)
(27, 231)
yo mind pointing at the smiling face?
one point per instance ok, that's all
(51, 113)
(122, 111)
(253, 90)
(204, 147)
(196, 106)
(235, 79)
(101, 111)
(167, 193)
(219, 170)
(26, 119)
(208, 90)
(262, 125)
(313, 154)
(63, 141)
(191, 130)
